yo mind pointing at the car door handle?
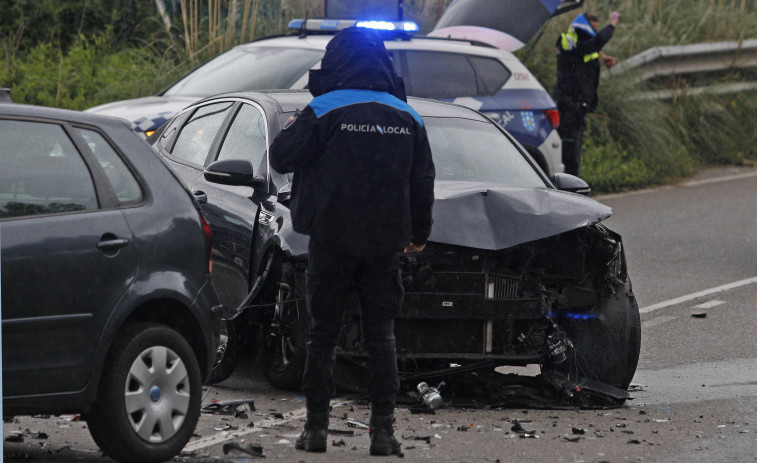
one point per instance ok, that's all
(200, 196)
(112, 243)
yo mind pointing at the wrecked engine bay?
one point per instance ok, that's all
(557, 302)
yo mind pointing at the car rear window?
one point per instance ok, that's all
(42, 173)
(247, 68)
(432, 74)
(124, 183)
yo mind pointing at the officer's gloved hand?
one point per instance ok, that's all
(614, 18)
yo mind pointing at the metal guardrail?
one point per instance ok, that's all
(691, 59)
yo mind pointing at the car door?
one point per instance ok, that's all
(67, 255)
(231, 211)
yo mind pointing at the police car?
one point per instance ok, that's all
(464, 71)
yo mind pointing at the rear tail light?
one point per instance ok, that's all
(207, 233)
(553, 116)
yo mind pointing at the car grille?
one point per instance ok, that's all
(502, 287)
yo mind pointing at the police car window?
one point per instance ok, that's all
(247, 68)
(195, 139)
(472, 151)
(492, 74)
(124, 183)
(246, 137)
(431, 74)
(42, 172)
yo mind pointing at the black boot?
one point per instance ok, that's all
(382, 435)
(315, 435)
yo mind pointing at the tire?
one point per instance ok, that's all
(605, 348)
(132, 380)
(284, 351)
(228, 351)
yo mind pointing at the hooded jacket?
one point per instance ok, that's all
(363, 173)
(578, 63)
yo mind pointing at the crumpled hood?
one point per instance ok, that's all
(146, 113)
(482, 216)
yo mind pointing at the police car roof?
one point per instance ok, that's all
(415, 42)
(292, 100)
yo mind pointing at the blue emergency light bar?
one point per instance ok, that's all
(339, 24)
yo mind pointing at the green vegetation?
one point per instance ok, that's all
(81, 53)
(632, 142)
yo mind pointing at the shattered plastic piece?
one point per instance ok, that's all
(338, 443)
(517, 427)
(39, 435)
(700, 314)
(634, 441)
(342, 432)
(571, 439)
(464, 427)
(278, 415)
(228, 407)
(15, 438)
(357, 424)
(283, 441)
(423, 438)
(578, 431)
(256, 450)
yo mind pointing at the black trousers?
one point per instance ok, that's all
(331, 278)
(571, 130)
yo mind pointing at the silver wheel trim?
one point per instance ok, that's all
(157, 394)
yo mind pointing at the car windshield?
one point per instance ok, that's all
(247, 68)
(474, 151)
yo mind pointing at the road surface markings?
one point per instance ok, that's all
(656, 321)
(709, 305)
(688, 184)
(692, 296)
(298, 414)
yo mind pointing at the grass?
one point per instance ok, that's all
(632, 143)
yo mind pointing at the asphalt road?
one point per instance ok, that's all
(691, 249)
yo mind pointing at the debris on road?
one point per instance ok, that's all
(699, 314)
(430, 396)
(357, 424)
(256, 450)
(15, 438)
(230, 407)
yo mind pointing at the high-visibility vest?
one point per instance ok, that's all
(569, 41)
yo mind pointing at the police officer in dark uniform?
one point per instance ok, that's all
(363, 190)
(579, 54)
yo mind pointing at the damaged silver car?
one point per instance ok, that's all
(518, 270)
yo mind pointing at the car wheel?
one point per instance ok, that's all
(284, 348)
(227, 352)
(149, 397)
(605, 348)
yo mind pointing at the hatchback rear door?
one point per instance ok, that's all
(67, 253)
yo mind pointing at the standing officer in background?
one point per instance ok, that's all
(579, 54)
(363, 190)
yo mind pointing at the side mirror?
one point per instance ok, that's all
(571, 183)
(235, 172)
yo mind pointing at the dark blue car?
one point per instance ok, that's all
(107, 304)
